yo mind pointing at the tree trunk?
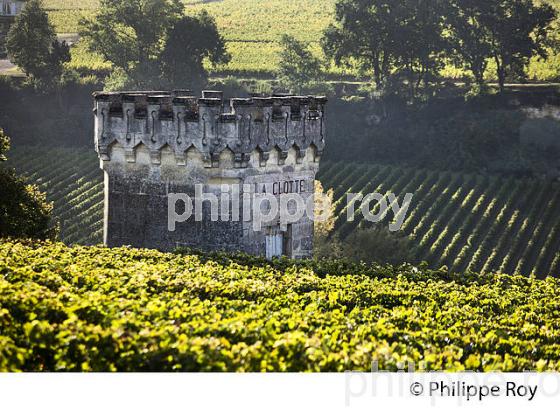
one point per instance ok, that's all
(501, 74)
(377, 74)
(478, 73)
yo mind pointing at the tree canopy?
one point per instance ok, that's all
(33, 46)
(298, 68)
(409, 41)
(150, 43)
(507, 32)
(189, 42)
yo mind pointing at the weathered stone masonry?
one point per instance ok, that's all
(151, 144)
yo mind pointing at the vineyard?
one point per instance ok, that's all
(74, 183)
(463, 221)
(252, 30)
(100, 309)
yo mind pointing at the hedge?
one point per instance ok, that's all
(97, 309)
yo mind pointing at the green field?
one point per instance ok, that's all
(100, 309)
(252, 29)
(463, 221)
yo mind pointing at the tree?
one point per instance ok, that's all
(189, 42)
(32, 45)
(363, 35)
(419, 44)
(389, 39)
(24, 211)
(517, 31)
(299, 68)
(471, 43)
(130, 35)
(325, 244)
(151, 44)
(509, 32)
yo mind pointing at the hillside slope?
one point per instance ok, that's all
(105, 309)
(252, 30)
(463, 221)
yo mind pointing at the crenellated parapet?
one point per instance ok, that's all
(209, 125)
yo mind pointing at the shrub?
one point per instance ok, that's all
(24, 211)
(4, 145)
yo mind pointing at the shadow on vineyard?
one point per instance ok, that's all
(463, 221)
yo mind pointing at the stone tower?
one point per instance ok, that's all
(157, 145)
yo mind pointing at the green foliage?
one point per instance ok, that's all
(298, 69)
(252, 30)
(369, 245)
(471, 49)
(151, 44)
(32, 45)
(395, 42)
(130, 34)
(24, 211)
(191, 41)
(510, 32)
(376, 244)
(409, 42)
(230, 86)
(73, 183)
(98, 309)
(4, 145)
(463, 221)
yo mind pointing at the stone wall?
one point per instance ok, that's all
(154, 144)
